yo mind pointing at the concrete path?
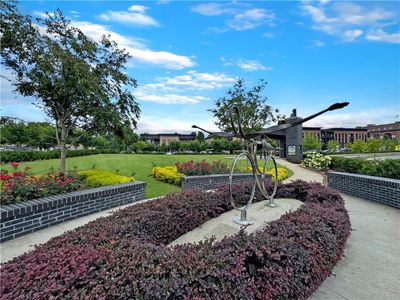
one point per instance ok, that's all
(223, 225)
(371, 266)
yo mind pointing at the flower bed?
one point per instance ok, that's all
(124, 255)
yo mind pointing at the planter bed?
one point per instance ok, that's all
(125, 256)
(379, 189)
(32, 215)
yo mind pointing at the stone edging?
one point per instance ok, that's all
(29, 216)
(379, 189)
(210, 182)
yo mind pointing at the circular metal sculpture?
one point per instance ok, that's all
(251, 140)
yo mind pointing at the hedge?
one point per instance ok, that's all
(18, 156)
(96, 178)
(389, 168)
(124, 256)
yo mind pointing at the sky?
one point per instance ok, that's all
(187, 54)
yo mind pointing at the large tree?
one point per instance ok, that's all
(78, 82)
(255, 113)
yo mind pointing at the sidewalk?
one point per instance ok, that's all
(371, 266)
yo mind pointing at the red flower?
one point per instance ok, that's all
(27, 168)
(4, 177)
(14, 164)
(17, 174)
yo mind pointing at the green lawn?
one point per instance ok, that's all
(138, 165)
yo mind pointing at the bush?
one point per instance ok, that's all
(18, 156)
(167, 174)
(96, 178)
(19, 186)
(389, 168)
(282, 173)
(124, 256)
(317, 161)
(191, 168)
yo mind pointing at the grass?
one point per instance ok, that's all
(137, 165)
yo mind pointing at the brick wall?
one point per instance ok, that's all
(379, 189)
(26, 217)
(209, 182)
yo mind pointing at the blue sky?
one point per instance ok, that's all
(186, 54)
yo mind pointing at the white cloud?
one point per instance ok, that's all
(153, 124)
(351, 35)
(251, 65)
(378, 35)
(137, 48)
(182, 89)
(245, 64)
(364, 117)
(269, 35)
(170, 98)
(349, 20)
(212, 9)
(135, 15)
(319, 43)
(42, 14)
(240, 18)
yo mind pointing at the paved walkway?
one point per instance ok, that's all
(369, 270)
(371, 266)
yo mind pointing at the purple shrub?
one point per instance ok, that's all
(125, 256)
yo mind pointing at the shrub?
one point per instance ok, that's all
(19, 186)
(167, 174)
(317, 161)
(389, 168)
(96, 178)
(18, 156)
(282, 173)
(124, 256)
(191, 168)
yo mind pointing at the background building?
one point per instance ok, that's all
(391, 130)
(166, 138)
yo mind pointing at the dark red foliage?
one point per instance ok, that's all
(191, 168)
(125, 256)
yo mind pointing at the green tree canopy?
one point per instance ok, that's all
(310, 142)
(78, 82)
(255, 113)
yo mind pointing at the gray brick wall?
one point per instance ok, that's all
(26, 217)
(210, 182)
(379, 189)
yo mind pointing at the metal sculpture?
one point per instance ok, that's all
(251, 140)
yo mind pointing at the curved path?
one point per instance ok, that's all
(371, 266)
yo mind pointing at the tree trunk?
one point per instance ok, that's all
(63, 149)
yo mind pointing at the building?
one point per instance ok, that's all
(167, 138)
(391, 130)
(342, 135)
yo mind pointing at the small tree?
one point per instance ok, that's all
(200, 136)
(79, 83)
(255, 113)
(332, 145)
(310, 142)
(374, 145)
(358, 146)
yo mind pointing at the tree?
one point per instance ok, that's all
(255, 113)
(373, 145)
(310, 142)
(200, 136)
(358, 146)
(78, 82)
(332, 145)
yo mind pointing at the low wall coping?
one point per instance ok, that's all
(392, 180)
(73, 196)
(220, 175)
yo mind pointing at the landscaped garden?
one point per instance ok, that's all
(138, 166)
(125, 256)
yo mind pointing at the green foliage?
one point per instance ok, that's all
(10, 156)
(310, 142)
(255, 113)
(96, 178)
(359, 146)
(374, 145)
(389, 168)
(332, 145)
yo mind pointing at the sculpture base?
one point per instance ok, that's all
(243, 222)
(272, 204)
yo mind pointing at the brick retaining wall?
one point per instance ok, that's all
(379, 189)
(26, 217)
(210, 182)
